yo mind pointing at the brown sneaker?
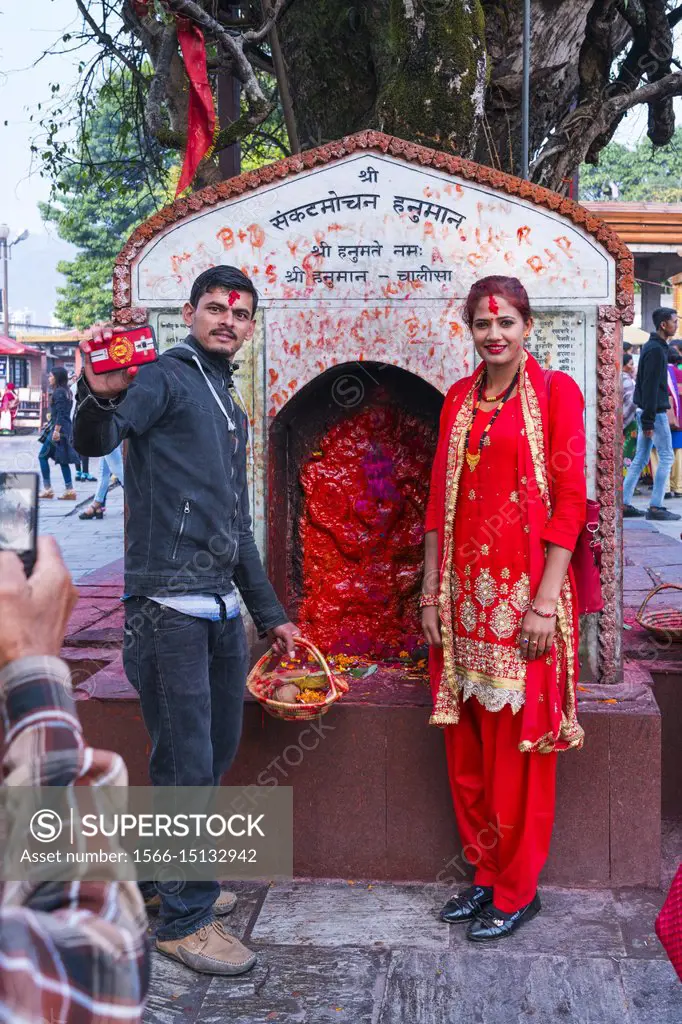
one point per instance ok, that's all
(210, 950)
(68, 496)
(47, 492)
(225, 903)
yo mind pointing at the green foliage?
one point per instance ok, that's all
(101, 196)
(642, 174)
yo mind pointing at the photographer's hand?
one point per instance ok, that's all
(34, 612)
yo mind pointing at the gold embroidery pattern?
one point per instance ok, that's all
(485, 550)
(456, 588)
(491, 663)
(505, 574)
(491, 698)
(571, 731)
(504, 589)
(446, 710)
(472, 495)
(503, 621)
(533, 421)
(485, 589)
(520, 594)
(514, 496)
(467, 614)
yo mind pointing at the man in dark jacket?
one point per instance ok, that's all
(653, 429)
(188, 542)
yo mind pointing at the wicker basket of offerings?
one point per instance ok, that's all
(296, 690)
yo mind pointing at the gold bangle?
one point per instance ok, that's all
(428, 600)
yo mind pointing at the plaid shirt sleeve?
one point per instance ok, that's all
(69, 951)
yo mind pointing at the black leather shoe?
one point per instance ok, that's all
(662, 515)
(489, 925)
(467, 904)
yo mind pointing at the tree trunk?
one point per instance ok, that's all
(558, 33)
(413, 68)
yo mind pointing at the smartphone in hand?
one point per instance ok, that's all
(19, 516)
(128, 347)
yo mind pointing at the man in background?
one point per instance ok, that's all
(653, 428)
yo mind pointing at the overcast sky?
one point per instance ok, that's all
(27, 28)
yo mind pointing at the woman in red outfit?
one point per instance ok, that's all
(506, 506)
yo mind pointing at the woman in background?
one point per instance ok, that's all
(9, 403)
(58, 443)
(629, 412)
(112, 470)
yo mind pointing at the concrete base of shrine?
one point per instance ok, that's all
(371, 795)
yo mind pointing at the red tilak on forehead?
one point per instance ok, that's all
(233, 297)
(492, 304)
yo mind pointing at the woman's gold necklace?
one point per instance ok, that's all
(473, 458)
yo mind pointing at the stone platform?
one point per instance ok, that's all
(371, 796)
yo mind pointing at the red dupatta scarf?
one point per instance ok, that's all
(549, 713)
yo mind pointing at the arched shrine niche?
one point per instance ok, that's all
(363, 251)
(350, 459)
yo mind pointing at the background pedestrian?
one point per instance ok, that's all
(58, 444)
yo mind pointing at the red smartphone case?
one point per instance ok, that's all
(134, 347)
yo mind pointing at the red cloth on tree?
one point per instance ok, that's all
(504, 802)
(201, 119)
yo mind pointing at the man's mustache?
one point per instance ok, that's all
(226, 331)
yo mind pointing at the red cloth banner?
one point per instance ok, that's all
(201, 119)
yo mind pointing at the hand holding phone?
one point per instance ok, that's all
(19, 516)
(33, 617)
(112, 356)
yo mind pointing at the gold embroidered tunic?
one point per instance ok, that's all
(490, 581)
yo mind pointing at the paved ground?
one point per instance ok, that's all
(363, 953)
(643, 500)
(355, 952)
(85, 545)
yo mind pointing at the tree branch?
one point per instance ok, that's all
(260, 34)
(231, 44)
(106, 41)
(575, 137)
(675, 17)
(663, 89)
(158, 91)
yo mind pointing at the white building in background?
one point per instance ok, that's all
(22, 317)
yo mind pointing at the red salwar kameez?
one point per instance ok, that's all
(505, 718)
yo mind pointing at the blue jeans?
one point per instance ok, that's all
(45, 466)
(662, 441)
(190, 674)
(112, 465)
